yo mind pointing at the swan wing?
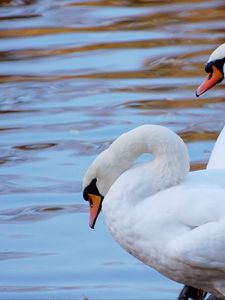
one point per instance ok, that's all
(190, 218)
(201, 216)
(202, 246)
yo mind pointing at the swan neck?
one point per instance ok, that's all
(170, 160)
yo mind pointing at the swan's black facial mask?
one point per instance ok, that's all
(95, 199)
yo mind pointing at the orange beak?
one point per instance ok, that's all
(95, 202)
(212, 78)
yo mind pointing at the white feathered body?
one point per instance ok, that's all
(179, 231)
(169, 218)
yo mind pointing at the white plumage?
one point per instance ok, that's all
(171, 219)
(217, 54)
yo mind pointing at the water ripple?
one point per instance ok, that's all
(18, 255)
(36, 214)
(74, 75)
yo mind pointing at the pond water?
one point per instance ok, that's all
(73, 76)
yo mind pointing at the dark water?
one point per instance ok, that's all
(73, 76)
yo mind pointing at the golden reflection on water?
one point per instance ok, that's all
(188, 36)
(183, 21)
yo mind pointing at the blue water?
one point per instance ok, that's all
(73, 76)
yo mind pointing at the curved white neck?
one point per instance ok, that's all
(170, 157)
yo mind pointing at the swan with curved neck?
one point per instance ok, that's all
(169, 218)
(215, 68)
(169, 157)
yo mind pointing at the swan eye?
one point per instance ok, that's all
(208, 68)
(219, 63)
(90, 189)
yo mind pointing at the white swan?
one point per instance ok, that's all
(215, 68)
(171, 219)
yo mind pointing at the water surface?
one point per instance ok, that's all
(73, 76)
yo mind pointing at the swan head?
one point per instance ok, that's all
(97, 181)
(91, 194)
(215, 69)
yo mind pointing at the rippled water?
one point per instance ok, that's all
(73, 76)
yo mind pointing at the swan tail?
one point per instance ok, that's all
(217, 157)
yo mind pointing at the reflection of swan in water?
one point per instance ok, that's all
(215, 68)
(171, 219)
